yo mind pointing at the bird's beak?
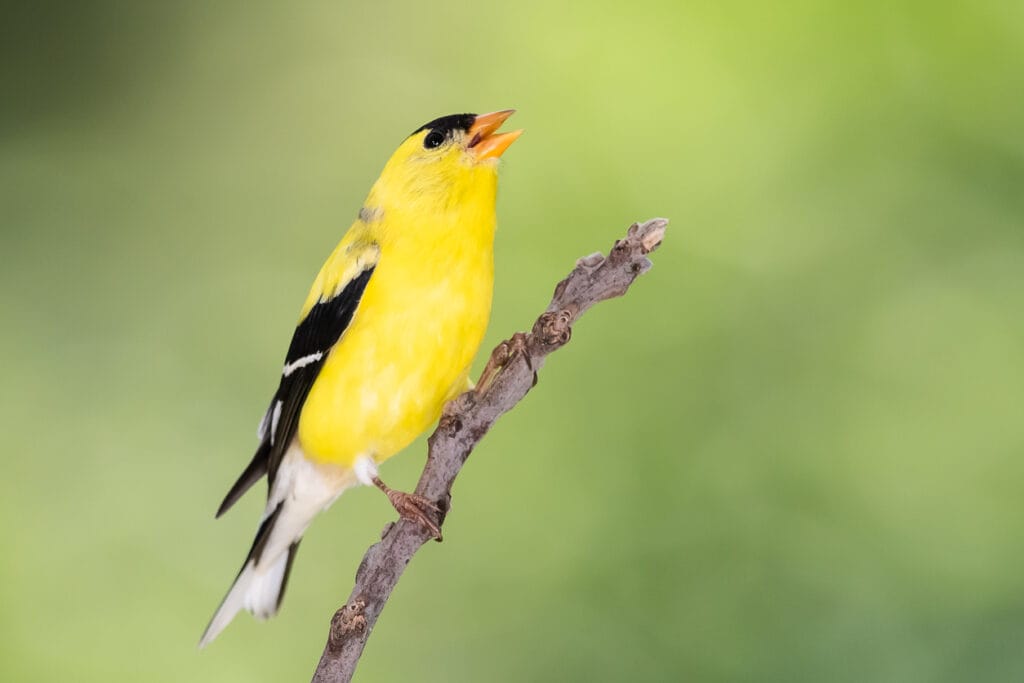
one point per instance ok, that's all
(484, 142)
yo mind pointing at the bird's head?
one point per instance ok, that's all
(448, 162)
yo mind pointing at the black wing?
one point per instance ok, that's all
(318, 332)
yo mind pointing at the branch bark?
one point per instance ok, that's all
(509, 374)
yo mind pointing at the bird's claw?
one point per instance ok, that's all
(417, 509)
(499, 358)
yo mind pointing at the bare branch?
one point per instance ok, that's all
(510, 373)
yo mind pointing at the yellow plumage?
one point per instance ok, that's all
(385, 337)
(421, 319)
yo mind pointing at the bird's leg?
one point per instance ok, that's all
(412, 506)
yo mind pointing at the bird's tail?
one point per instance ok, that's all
(259, 586)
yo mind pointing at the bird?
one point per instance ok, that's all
(384, 339)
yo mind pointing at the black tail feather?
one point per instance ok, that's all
(263, 536)
(292, 549)
(256, 469)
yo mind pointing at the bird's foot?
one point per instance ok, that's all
(502, 354)
(413, 507)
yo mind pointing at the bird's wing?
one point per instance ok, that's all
(328, 313)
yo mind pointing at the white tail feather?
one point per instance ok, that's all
(253, 590)
(301, 491)
(264, 592)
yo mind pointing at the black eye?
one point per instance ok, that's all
(434, 139)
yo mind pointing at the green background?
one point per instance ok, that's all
(794, 452)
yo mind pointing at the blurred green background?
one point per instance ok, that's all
(794, 452)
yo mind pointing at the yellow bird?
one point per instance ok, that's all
(385, 338)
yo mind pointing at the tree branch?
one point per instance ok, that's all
(510, 373)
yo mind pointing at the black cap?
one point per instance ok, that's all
(448, 124)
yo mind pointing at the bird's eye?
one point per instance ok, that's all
(434, 139)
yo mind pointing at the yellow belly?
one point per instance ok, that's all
(407, 351)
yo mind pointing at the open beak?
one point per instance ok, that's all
(484, 141)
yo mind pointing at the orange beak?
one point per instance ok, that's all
(484, 141)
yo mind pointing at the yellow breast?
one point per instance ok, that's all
(411, 342)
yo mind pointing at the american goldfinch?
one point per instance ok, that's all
(385, 337)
